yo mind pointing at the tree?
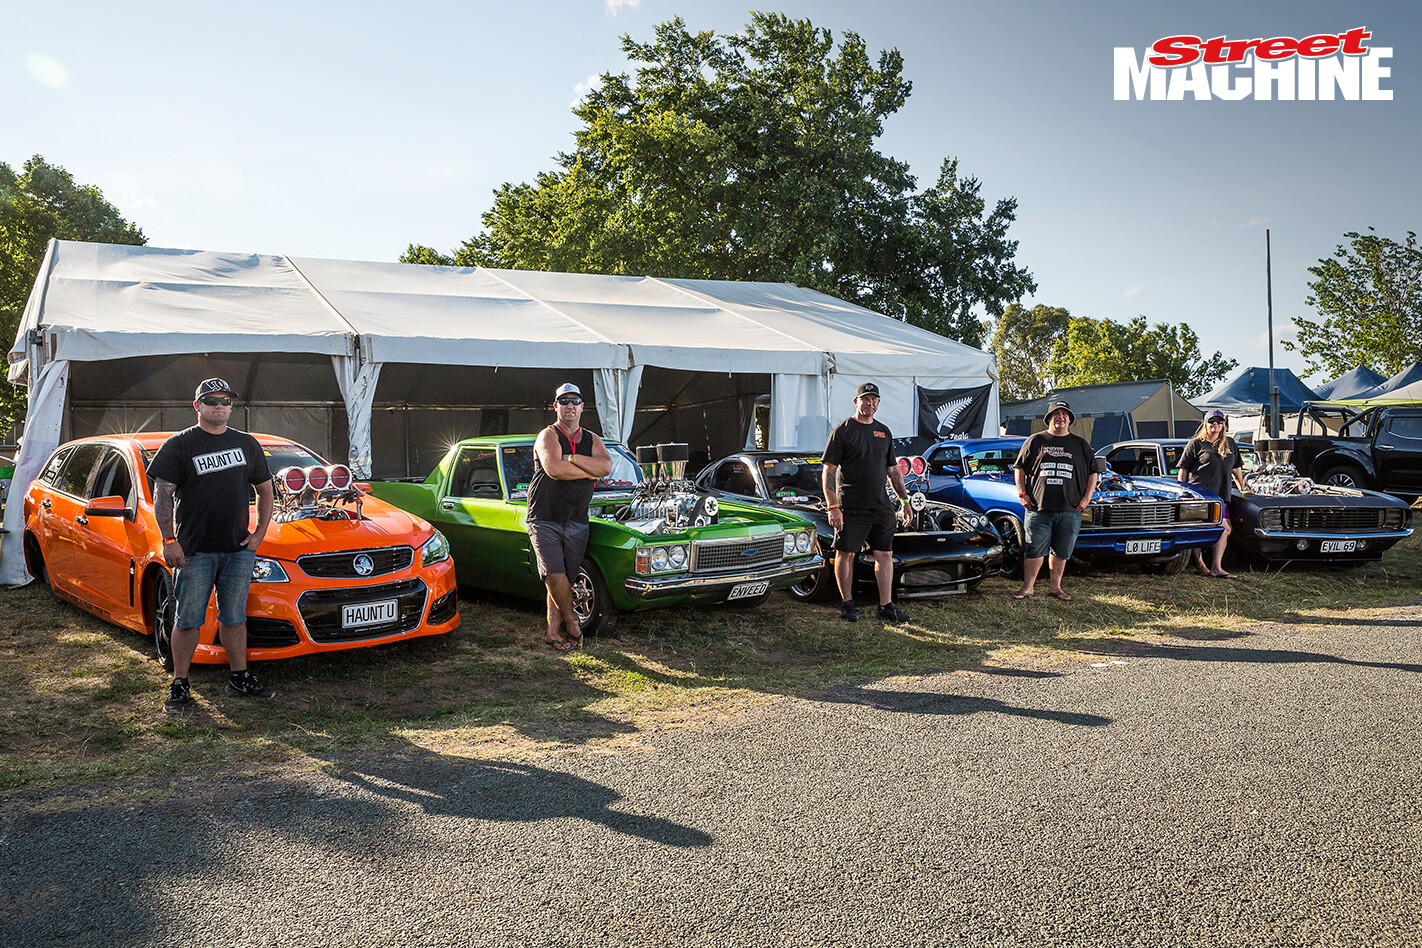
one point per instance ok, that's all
(752, 156)
(1369, 295)
(39, 203)
(1022, 340)
(1096, 351)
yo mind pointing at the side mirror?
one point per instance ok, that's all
(108, 507)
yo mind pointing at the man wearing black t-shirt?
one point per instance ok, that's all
(210, 470)
(1055, 480)
(859, 454)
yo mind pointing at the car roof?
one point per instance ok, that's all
(153, 440)
(1008, 442)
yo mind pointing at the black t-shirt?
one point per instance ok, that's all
(562, 501)
(864, 454)
(213, 473)
(1205, 467)
(1057, 470)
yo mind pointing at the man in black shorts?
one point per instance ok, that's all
(567, 461)
(859, 454)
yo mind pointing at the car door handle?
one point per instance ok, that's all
(82, 520)
(447, 504)
(1387, 447)
(46, 504)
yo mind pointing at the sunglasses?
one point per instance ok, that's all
(212, 401)
(1214, 421)
(570, 400)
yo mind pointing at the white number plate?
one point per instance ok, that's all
(747, 590)
(1142, 546)
(1339, 546)
(369, 613)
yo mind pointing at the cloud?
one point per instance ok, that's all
(615, 7)
(48, 70)
(1256, 221)
(583, 88)
(1286, 330)
(1133, 291)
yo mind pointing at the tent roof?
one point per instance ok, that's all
(1111, 398)
(1248, 391)
(1350, 384)
(108, 301)
(1389, 388)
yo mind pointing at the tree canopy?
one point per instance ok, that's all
(1097, 351)
(1023, 340)
(751, 156)
(40, 202)
(1369, 298)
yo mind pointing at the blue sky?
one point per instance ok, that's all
(350, 130)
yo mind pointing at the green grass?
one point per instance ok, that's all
(80, 701)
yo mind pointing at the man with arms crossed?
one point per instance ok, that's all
(860, 452)
(209, 469)
(567, 462)
(1055, 480)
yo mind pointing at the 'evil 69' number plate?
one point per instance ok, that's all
(748, 590)
(1338, 546)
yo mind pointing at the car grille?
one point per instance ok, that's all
(444, 608)
(1330, 519)
(321, 610)
(389, 559)
(1128, 515)
(742, 553)
(270, 633)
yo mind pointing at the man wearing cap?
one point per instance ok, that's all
(567, 462)
(210, 469)
(858, 455)
(1055, 477)
(1211, 460)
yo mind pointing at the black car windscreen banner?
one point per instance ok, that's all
(952, 412)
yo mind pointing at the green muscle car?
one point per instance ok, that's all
(655, 539)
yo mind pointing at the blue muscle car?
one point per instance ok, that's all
(1150, 521)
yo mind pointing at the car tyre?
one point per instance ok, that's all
(34, 560)
(1171, 567)
(596, 613)
(1345, 475)
(1013, 541)
(819, 586)
(162, 607)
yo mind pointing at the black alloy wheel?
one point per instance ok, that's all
(162, 605)
(1013, 543)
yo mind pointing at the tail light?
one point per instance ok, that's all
(340, 476)
(293, 479)
(317, 477)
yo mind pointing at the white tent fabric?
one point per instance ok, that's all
(42, 425)
(379, 321)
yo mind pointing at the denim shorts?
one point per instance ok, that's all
(558, 545)
(1055, 531)
(229, 573)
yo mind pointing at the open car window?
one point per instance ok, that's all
(517, 461)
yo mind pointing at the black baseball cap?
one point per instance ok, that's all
(866, 388)
(212, 387)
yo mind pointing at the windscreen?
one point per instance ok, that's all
(992, 460)
(518, 470)
(793, 475)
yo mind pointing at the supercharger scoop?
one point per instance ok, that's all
(666, 500)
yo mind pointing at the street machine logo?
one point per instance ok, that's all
(1322, 67)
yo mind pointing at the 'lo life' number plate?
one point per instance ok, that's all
(1142, 546)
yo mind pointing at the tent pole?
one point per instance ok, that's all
(1273, 389)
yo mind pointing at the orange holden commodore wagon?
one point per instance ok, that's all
(338, 569)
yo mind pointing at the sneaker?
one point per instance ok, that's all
(848, 612)
(246, 684)
(892, 613)
(178, 697)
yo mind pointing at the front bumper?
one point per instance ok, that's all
(1281, 545)
(944, 572)
(719, 585)
(1113, 542)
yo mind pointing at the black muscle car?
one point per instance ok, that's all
(945, 550)
(1284, 517)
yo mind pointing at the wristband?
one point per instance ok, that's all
(167, 540)
(833, 507)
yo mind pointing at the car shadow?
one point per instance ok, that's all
(919, 702)
(1135, 648)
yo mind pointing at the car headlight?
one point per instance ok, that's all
(676, 556)
(1086, 516)
(1195, 511)
(662, 559)
(803, 540)
(790, 543)
(266, 570)
(435, 550)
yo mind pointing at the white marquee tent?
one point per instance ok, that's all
(385, 363)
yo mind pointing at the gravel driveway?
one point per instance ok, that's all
(1258, 789)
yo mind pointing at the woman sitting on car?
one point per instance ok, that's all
(1211, 461)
